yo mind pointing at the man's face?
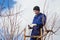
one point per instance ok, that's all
(36, 11)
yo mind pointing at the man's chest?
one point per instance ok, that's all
(38, 18)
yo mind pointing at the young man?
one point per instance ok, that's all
(39, 20)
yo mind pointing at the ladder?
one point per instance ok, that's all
(40, 36)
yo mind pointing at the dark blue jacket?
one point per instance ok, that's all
(38, 20)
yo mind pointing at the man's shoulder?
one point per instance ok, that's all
(42, 14)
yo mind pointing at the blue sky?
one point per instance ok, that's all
(6, 3)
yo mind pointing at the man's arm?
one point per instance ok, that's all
(44, 19)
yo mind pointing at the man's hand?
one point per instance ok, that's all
(31, 26)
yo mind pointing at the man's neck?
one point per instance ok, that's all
(37, 13)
